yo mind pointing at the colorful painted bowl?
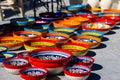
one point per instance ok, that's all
(77, 72)
(40, 21)
(75, 48)
(27, 35)
(85, 60)
(38, 44)
(94, 33)
(3, 49)
(64, 30)
(51, 58)
(111, 11)
(51, 16)
(91, 41)
(23, 54)
(106, 21)
(75, 7)
(33, 73)
(11, 43)
(58, 37)
(6, 55)
(97, 26)
(14, 65)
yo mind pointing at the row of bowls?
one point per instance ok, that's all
(54, 60)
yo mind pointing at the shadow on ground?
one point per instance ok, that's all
(94, 76)
(110, 33)
(91, 53)
(104, 39)
(96, 67)
(101, 46)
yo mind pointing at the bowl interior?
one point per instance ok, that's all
(10, 42)
(23, 54)
(16, 62)
(3, 48)
(87, 40)
(77, 69)
(28, 35)
(50, 55)
(34, 71)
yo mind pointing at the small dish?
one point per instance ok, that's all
(75, 48)
(85, 60)
(91, 41)
(33, 73)
(27, 35)
(14, 65)
(77, 72)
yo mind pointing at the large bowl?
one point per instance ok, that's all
(58, 37)
(33, 73)
(85, 60)
(97, 26)
(14, 65)
(91, 41)
(5, 55)
(75, 48)
(27, 35)
(38, 44)
(12, 43)
(51, 58)
(77, 72)
(94, 33)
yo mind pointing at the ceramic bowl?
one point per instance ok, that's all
(3, 49)
(64, 30)
(33, 73)
(40, 21)
(58, 37)
(92, 17)
(91, 41)
(111, 11)
(14, 65)
(93, 33)
(75, 7)
(77, 72)
(11, 43)
(51, 58)
(51, 16)
(5, 55)
(85, 60)
(38, 44)
(23, 54)
(75, 48)
(106, 21)
(97, 26)
(27, 35)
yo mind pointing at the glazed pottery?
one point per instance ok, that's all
(51, 58)
(23, 54)
(27, 35)
(75, 7)
(97, 26)
(91, 41)
(11, 43)
(33, 73)
(77, 72)
(14, 65)
(38, 44)
(3, 49)
(75, 48)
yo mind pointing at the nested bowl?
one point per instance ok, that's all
(85, 60)
(27, 35)
(23, 54)
(75, 48)
(12, 43)
(33, 73)
(77, 72)
(38, 44)
(91, 41)
(58, 37)
(93, 33)
(13, 65)
(97, 26)
(51, 58)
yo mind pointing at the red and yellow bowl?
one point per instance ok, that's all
(27, 35)
(91, 41)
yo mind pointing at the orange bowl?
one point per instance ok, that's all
(91, 41)
(12, 43)
(27, 35)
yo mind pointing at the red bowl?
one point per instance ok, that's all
(33, 73)
(114, 18)
(53, 53)
(23, 54)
